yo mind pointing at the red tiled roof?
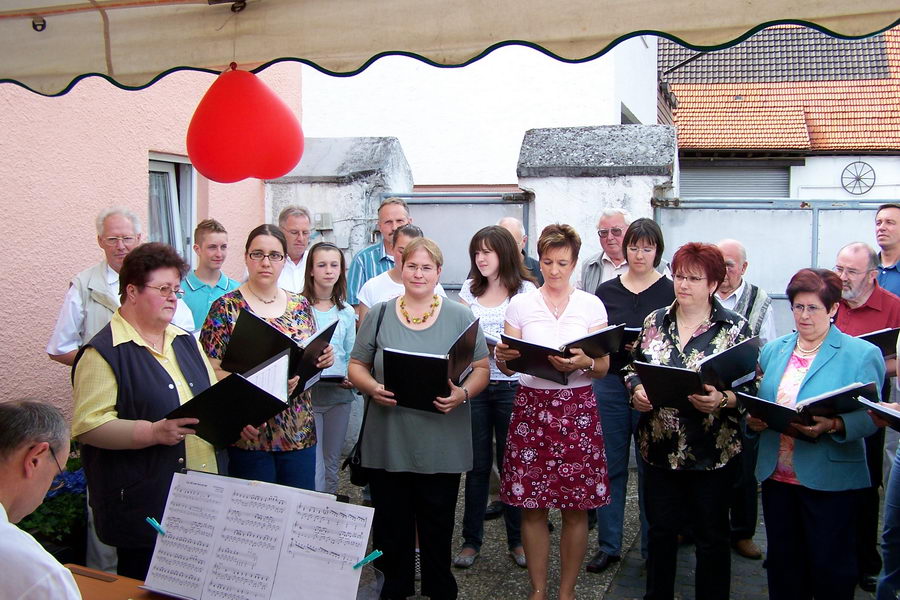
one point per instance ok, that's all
(823, 115)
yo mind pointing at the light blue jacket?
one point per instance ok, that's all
(838, 461)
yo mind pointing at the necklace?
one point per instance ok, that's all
(435, 302)
(556, 309)
(263, 300)
(688, 327)
(812, 350)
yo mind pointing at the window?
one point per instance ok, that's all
(171, 203)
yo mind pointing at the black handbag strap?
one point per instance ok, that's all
(362, 425)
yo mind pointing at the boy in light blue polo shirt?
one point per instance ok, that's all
(207, 282)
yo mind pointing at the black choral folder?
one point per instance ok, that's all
(417, 378)
(227, 406)
(533, 357)
(670, 386)
(885, 339)
(830, 404)
(254, 341)
(887, 414)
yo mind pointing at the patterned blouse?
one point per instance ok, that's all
(293, 429)
(675, 439)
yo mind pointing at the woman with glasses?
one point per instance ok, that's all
(134, 372)
(415, 457)
(325, 286)
(628, 299)
(283, 451)
(688, 453)
(809, 492)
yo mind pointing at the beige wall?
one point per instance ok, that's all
(63, 160)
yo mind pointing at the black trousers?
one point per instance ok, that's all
(811, 542)
(405, 503)
(867, 533)
(133, 562)
(674, 499)
(744, 496)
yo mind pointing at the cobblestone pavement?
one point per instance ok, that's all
(494, 576)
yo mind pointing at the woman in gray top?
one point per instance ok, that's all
(415, 457)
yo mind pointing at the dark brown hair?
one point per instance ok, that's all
(339, 291)
(267, 229)
(703, 257)
(825, 284)
(511, 271)
(644, 230)
(145, 259)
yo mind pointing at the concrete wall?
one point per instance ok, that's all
(64, 160)
(821, 178)
(466, 125)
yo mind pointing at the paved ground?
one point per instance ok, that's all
(495, 577)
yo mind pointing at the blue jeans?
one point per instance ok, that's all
(491, 410)
(889, 584)
(295, 468)
(619, 423)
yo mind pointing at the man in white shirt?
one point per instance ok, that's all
(752, 303)
(609, 262)
(296, 224)
(93, 294)
(34, 445)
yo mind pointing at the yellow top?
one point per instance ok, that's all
(96, 389)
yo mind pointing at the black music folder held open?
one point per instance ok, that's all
(533, 357)
(830, 404)
(885, 339)
(254, 341)
(417, 378)
(251, 398)
(670, 386)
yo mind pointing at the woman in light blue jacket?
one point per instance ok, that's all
(808, 488)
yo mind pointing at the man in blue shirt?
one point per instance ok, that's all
(377, 258)
(207, 282)
(887, 235)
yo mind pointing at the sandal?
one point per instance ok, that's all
(519, 557)
(464, 561)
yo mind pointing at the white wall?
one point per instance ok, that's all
(466, 125)
(821, 178)
(579, 201)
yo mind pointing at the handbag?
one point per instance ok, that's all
(359, 475)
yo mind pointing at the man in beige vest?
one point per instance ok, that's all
(93, 294)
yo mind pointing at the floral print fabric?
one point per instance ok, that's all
(554, 451)
(294, 428)
(675, 439)
(788, 389)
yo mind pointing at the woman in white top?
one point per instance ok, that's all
(497, 274)
(554, 449)
(388, 285)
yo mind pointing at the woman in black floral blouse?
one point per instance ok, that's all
(687, 453)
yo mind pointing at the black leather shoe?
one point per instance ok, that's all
(600, 562)
(868, 583)
(494, 511)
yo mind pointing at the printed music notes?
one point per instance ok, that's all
(230, 538)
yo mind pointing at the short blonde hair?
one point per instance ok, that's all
(429, 246)
(559, 235)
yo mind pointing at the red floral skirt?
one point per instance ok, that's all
(554, 451)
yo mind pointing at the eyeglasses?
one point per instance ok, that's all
(616, 231)
(258, 255)
(690, 278)
(426, 269)
(111, 241)
(167, 290)
(850, 272)
(299, 232)
(645, 250)
(811, 309)
(58, 481)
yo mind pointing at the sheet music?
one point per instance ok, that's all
(232, 539)
(327, 538)
(273, 378)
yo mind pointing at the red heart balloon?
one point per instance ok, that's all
(242, 129)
